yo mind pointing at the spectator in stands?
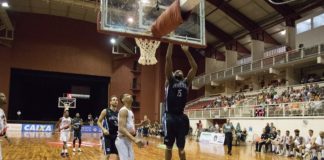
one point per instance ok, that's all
(311, 79)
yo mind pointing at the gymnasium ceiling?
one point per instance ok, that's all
(227, 21)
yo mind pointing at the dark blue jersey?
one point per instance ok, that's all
(111, 121)
(76, 123)
(176, 92)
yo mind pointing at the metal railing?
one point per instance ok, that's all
(295, 109)
(268, 62)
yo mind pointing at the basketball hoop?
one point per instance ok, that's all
(147, 51)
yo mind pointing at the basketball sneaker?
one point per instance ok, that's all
(74, 150)
(79, 150)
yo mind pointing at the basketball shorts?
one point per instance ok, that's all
(77, 134)
(175, 127)
(64, 136)
(108, 144)
(125, 148)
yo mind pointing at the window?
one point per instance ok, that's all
(318, 20)
(304, 26)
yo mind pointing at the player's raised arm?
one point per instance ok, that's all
(168, 63)
(193, 70)
(100, 120)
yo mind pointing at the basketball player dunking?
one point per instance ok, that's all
(64, 125)
(175, 123)
(126, 130)
(108, 122)
(77, 123)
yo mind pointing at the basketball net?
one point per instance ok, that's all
(66, 107)
(147, 51)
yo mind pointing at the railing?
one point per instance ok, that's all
(268, 62)
(296, 109)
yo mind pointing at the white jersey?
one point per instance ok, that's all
(2, 120)
(286, 140)
(309, 139)
(319, 141)
(65, 122)
(298, 140)
(130, 125)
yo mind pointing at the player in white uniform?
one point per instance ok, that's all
(309, 144)
(319, 143)
(64, 126)
(126, 130)
(3, 120)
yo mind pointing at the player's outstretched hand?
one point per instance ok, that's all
(139, 143)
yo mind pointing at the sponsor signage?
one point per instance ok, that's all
(37, 128)
(210, 137)
(90, 129)
(13, 127)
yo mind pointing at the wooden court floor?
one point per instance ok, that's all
(45, 146)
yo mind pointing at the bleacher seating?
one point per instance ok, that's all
(250, 97)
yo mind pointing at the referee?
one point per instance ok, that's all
(228, 129)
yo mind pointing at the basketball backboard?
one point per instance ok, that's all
(133, 18)
(64, 102)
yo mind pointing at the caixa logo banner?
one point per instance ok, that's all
(37, 128)
(90, 129)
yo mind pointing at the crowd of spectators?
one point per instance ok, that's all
(271, 96)
(151, 129)
(310, 92)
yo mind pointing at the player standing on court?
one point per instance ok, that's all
(175, 123)
(126, 130)
(108, 122)
(77, 123)
(3, 120)
(64, 125)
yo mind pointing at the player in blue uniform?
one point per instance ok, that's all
(77, 123)
(108, 122)
(175, 122)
